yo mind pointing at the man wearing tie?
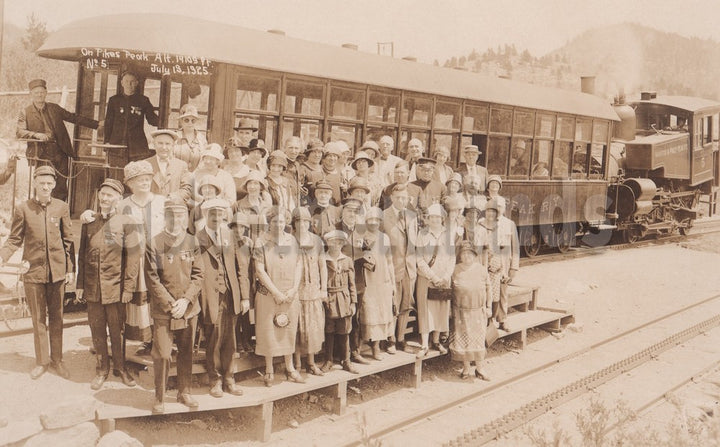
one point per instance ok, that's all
(221, 299)
(400, 224)
(470, 167)
(45, 122)
(168, 171)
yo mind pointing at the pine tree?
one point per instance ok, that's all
(35, 33)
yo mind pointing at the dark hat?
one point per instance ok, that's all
(257, 144)
(246, 123)
(351, 202)
(114, 184)
(37, 83)
(426, 160)
(45, 170)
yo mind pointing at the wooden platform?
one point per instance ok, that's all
(117, 404)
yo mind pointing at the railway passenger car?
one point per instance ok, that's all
(294, 87)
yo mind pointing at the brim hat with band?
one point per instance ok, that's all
(362, 156)
(374, 213)
(494, 178)
(335, 234)
(37, 83)
(246, 123)
(171, 133)
(277, 157)
(323, 185)
(136, 169)
(253, 176)
(44, 170)
(358, 183)
(426, 161)
(371, 145)
(213, 150)
(472, 148)
(212, 181)
(352, 203)
(189, 110)
(215, 203)
(301, 213)
(436, 210)
(114, 184)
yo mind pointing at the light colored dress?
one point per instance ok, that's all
(375, 313)
(151, 217)
(470, 308)
(436, 260)
(280, 259)
(311, 326)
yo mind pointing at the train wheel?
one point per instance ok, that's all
(565, 238)
(687, 228)
(631, 235)
(530, 241)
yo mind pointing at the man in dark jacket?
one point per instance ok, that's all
(108, 267)
(174, 274)
(125, 120)
(44, 122)
(43, 228)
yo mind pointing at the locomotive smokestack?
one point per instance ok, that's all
(587, 84)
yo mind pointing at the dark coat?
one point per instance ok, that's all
(214, 278)
(174, 269)
(124, 124)
(48, 240)
(341, 287)
(30, 123)
(109, 259)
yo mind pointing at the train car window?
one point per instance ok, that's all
(374, 133)
(520, 157)
(707, 130)
(501, 120)
(349, 133)
(189, 93)
(542, 149)
(545, 126)
(498, 154)
(304, 98)
(257, 93)
(346, 103)
(478, 140)
(407, 135)
(383, 107)
(583, 130)
(416, 111)
(715, 126)
(565, 127)
(448, 140)
(152, 90)
(267, 127)
(561, 159)
(597, 160)
(447, 115)
(524, 123)
(600, 131)
(580, 161)
(475, 119)
(303, 128)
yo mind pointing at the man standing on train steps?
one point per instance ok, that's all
(43, 228)
(125, 121)
(45, 122)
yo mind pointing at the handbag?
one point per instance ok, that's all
(439, 294)
(491, 334)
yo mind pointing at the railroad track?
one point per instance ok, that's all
(700, 228)
(673, 323)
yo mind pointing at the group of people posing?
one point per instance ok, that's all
(323, 251)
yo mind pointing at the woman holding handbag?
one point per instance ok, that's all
(436, 262)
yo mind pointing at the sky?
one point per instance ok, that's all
(425, 29)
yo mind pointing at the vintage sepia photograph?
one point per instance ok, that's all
(359, 223)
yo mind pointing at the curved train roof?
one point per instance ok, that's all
(219, 42)
(687, 103)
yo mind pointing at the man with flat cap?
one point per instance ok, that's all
(108, 269)
(43, 228)
(168, 171)
(125, 122)
(45, 122)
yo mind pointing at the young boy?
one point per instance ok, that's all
(341, 304)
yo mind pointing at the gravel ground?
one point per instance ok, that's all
(609, 292)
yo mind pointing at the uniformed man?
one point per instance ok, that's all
(43, 228)
(108, 268)
(45, 121)
(221, 299)
(174, 275)
(125, 120)
(431, 191)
